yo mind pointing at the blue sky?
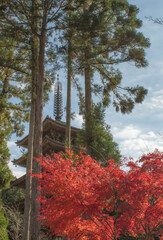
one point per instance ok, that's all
(141, 131)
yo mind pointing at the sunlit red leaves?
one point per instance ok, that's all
(146, 189)
(83, 200)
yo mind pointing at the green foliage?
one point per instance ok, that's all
(14, 87)
(5, 173)
(12, 195)
(11, 223)
(3, 225)
(111, 36)
(16, 69)
(101, 144)
(110, 30)
(5, 178)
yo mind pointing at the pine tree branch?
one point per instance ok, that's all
(157, 20)
(57, 11)
(14, 108)
(17, 69)
(14, 46)
(11, 22)
(28, 18)
(15, 14)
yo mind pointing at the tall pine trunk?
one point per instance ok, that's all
(34, 69)
(27, 210)
(88, 94)
(37, 144)
(88, 107)
(68, 107)
(28, 191)
(35, 224)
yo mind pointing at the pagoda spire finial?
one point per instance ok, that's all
(58, 102)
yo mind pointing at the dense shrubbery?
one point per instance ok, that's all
(3, 225)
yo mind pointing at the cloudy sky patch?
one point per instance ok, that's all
(134, 142)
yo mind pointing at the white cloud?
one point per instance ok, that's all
(16, 170)
(15, 153)
(159, 92)
(11, 144)
(155, 102)
(134, 141)
(152, 106)
(128, 132)
(77, 122)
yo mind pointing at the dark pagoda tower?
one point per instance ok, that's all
(53, 137)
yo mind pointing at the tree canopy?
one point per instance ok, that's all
(110, 30)
(101, 145)
(83, 200)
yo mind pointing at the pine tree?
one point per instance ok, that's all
(34, 22)
(13, 84)
(101, 145)
(109, 30)
(67, 51)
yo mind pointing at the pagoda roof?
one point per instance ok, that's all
(48, 145)
(49, 123)
(21, 161)
(19, 182)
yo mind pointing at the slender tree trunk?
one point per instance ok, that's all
(88, 94)
(35, 224)
(34, 68)
(88, 107)
(37, 144)
(27, 210)
(68, 107)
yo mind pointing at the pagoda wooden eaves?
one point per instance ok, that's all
(48, 125)
(53, 141)
(49, 146)
(19, 182)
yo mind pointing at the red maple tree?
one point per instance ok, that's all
(146, 195)
(83, 200)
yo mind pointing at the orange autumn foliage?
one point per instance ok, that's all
(83, 200)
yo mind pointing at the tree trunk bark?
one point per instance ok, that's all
(88, 107)
(27, 210)
(35, 224)
(37, 144)
(68, 107)
(88, 94)
(34, 68)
